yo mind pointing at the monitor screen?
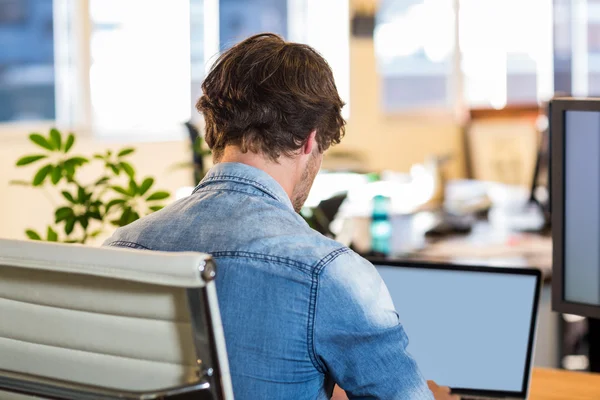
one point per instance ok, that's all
(582, 207)
(466, 329)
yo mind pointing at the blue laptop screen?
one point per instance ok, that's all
(466, 329)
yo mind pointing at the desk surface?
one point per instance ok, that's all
(489, 243)
(550, 384)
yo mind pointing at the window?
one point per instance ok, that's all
(147, 68)
(577, 47)
(506, 52)
(198, 38)
(140, 70)
(132, 69)
(324, 25)
(27, 84)
(413, 46)
(239, 19)
(500, 53)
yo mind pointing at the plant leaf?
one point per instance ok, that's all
(95, 214)
(55, 138)
(125, 216)
(121, 190)
(128, 169)
(99, 157)
(81, 195)
(125, 152)
(78, 160)
(70, 142)
(84, 221)
(158, 196)
(95, 233)
(29, 159)
(114, 168)
(113, 203)
(146, 184)
(102, 180)
(63, 213)
(52, 236)
(133, 187)
(69, 169)
(56, 174)
(19, 182)
(40, 176)
(33, 235)
(156, 208)
(70, 225)
(68, 196)
(41, 141)
(134, 216)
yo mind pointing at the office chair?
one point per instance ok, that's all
(80, 322)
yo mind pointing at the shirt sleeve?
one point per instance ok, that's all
(358, 339)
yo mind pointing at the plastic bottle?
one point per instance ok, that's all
(381, 228)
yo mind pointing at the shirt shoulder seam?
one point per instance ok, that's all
(262, 257)
(314, 287)
(125, 243)
(261, 193)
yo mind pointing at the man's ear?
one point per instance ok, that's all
(310, 143)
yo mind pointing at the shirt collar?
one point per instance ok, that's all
(243, 173)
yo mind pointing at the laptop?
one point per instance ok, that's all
(470, 328)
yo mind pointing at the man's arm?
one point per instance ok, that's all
(358, 339)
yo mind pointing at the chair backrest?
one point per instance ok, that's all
(83, 322)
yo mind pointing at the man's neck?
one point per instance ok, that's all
(284, 171)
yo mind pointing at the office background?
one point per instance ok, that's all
(405, 104)
(465, 80)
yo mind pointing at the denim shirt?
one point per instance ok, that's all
(300, 311)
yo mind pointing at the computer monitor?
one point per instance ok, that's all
(575, 172)
(470, 328)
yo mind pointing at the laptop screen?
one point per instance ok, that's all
(466, 329)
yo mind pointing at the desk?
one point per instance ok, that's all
(488, 243)
(550, 384)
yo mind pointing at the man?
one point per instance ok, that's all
(300, 312)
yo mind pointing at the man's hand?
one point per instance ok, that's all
(441, 392)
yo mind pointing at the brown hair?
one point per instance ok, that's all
(267, 95)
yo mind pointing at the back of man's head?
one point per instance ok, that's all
(266, 96)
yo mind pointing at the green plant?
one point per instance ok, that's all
(85, 209)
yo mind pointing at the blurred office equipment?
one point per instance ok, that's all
(539, 196)
(199, 151)
(501, 145)
(81, 322)
(575, 135)
(488, 352)
(510, 147)
(540, 182)
(363, 20)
